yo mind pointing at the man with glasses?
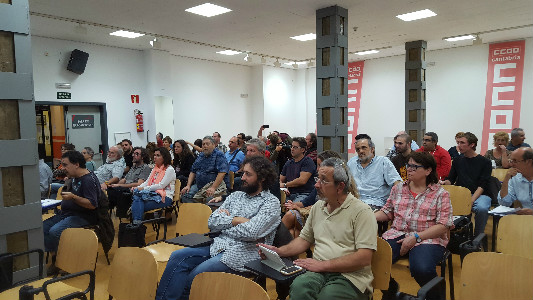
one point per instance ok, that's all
(128, 154)
(441, 155)
(112, 170)
(296, 178)
(518, 182)
(473, 172)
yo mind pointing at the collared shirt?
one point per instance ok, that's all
(511, 147)
(415, 214)
(519, 188)
(45, 178)
(443, 159)
(292, 170)
(207, 168)
(235, 163)
(138, 172)
(222, 147)
(375, 181)
(350, 227)
(239, 242)
(110, 170)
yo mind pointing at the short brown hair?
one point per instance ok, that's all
(459, 135)
(501, 135)
(471, 139)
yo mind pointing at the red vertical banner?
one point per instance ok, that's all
(504, 90)
(355, 84)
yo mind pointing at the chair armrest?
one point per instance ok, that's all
(213, 234)
(434, 283)
(474, 245)
(89, 289)
(41, 262)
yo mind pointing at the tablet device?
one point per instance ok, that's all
(275, 262)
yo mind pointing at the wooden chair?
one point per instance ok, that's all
(499, 173)
(160, 213)
(217, 285)
(496, 276)
(192, 218)
(231, 180)
(133, 275)
(283, 200)
(59, 196)
(515, 235)
(76, 253)
(381, 265)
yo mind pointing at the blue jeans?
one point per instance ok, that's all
(183, 265)
(481, 208)
(187, 198)
(297, 197)
(145, 201)
(54, 226)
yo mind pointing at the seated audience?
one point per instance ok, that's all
(473, 172)
(517, 139)
(393, 152)
(421, 215)
(88, 154)
(297, 173)
(518, 181)
(45, 176)
(442, 157)
(279, 151)
(245, 218)
(402, 144)
(59, 173)
(218, 144)
(234, 156)
(158, 190)
(294, 218)
(242, 141)
(78, 207)
(340, 267)
(127, 153)
(159, 140)
(196, 147)
(499, 155)
(167, 141)
(311, 141)
(150, 148)
(183, 160)
(454, 151)
(209, 170)
(112, 170)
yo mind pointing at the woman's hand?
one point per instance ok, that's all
(407, 244)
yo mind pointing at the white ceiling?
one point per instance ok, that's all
(263, 27)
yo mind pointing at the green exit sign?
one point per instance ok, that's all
(63, 95)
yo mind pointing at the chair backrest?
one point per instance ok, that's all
(515, 235)
(177, 188)
(133, 274)
(381, 265)
(282, 200)
(192, 218)
(77, 250)
(461, 199)
(59, 196)
(231, 179)
(215, 285)
(495, 276)
(499, 173)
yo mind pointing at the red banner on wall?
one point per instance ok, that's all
(504, 90)
(355, 85)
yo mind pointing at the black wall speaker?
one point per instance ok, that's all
(78, 61)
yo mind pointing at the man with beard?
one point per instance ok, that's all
(127, 149)
(402, 144)
(374, 175)
(246, 218)
(112, 170)
(209, 170)
(340, 267)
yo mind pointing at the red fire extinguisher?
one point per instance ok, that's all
(139, 120)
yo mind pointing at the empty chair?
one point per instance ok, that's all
(515, 235)
(215, 285)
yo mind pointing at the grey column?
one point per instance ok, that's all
(415, 89)
(332, 79)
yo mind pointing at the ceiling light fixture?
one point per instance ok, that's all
(304, 37)
(126, 34)
(478, 41)
(208, 10)
(367, 52)
(248, 58)
(417, 15)
(460, 38)
(311, 63)
(263, 60)
(229, 52)
(277, 64)
(155, 44)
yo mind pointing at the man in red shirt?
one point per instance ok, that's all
(444, 161)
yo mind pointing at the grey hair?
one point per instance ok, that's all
(89, 151)
(259, 144)
(515, 132)
(370, 143)
(210, 138)
(120, 152)
(341, 173)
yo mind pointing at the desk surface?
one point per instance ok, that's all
(50, 203)
(258, 267)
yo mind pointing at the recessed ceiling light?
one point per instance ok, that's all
(127, 34)
(367, 52)
(421, 14)
(460, 38)
(304, 37)
(208, 10)
(229, 52)
(290, 63)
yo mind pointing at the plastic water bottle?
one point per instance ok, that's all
(493, 164)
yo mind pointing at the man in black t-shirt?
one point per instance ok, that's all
(402, 144)
(297, 174)
(128, 154)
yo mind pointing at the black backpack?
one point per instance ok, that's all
(131, 235)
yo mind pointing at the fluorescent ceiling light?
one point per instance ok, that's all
(290, 63)
(304, 37)
(421, 14)
(229, 52)
(208, 10)
(127, 34)
(367, 52)
(460, 38)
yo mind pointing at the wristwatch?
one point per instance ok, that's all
(284, 184)
(417, 237)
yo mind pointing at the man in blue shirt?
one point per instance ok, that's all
(234, 156)
(518, 182)
(517, 139)
(209, 170)
(297, 175)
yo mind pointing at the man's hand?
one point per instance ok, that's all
(407, 244)
(510, 174)
(67, 196)
(311, 264)
(275, 249)
(278, 148)
(290, 205)
(103, 186)
(216, 199)
(223, 211)
(185, 190)
(238, 220)
(210, 191)
(525, 211)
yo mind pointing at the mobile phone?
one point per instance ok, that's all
(290, 270)
(266, 126)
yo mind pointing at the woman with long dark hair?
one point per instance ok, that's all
(183, 160)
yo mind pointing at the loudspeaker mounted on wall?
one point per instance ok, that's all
(78, 61)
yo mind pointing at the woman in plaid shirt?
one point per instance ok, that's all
(421, 215)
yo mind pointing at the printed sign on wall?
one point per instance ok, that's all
(355, 84)
(504, 90)
(82, 121)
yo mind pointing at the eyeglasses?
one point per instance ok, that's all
(428, 140)
(136, 153)
(322, 181)
(415, 167)
(514, 161)
(295, 147)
